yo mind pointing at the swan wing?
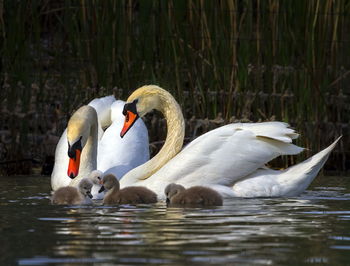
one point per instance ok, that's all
(229, 153)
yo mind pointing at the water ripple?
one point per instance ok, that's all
(313, 228)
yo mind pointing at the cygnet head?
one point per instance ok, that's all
(171, 190)
(96, 177)
(85, 187)
(109, 181)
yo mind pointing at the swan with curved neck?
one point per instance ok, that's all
(230, 159)
(59, 177)
(145, 99)
(82, 143)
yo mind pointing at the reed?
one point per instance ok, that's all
(233, 60)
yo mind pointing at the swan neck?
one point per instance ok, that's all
(114, 190)
(88, 161)
(89, 154)
(175, 133)
(173, 142)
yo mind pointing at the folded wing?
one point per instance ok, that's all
(229, 153)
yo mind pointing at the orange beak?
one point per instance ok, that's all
(130, 119)
(73, 166)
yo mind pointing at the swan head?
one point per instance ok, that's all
(108, 182)
(78, 132)
(96, 177)
(140, 102)
(85, 186)
(172, 190)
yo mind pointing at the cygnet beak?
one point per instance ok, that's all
(101, 189)
(89, 194)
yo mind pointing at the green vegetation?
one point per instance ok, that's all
(230, 60)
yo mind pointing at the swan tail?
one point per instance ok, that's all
(298, 177)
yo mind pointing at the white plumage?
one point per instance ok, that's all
(111, 149)
(118, 156)
(230, 159)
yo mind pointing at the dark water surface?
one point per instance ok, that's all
(311, 229)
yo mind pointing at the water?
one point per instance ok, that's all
(311, 229)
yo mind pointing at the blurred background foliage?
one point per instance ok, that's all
(224, 61)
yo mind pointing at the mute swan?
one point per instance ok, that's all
(129, 195)
(72, 195)
(230, 159)
(103, 148)
(177, 195)
(59, 176)
(119, 156)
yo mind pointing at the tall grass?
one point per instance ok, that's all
(250, 60)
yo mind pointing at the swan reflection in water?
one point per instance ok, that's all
(106, 232)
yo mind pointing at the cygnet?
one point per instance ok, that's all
(128, 195)
(74, 196)
(197, 196)
(96, 178)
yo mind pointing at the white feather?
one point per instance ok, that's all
(232, 158)
(111, 155)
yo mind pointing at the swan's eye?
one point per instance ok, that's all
(99, 178)
(130, 107)
(72, 148)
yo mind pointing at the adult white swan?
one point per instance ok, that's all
(85, 147)
(230, 159)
